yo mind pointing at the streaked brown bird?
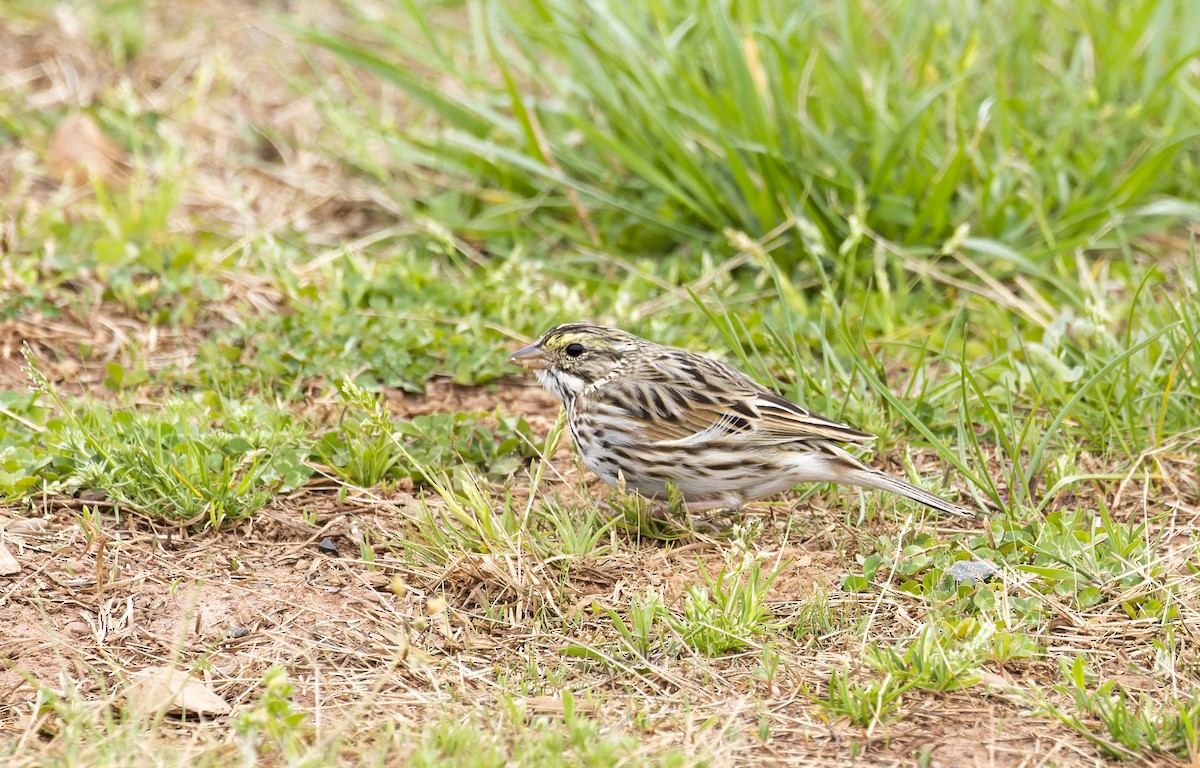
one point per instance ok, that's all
(655, 415)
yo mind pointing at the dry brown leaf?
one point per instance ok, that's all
(164, 689)
(25, 526)
(79, 151)
(8, 564)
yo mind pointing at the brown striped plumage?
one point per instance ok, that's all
(656, 415)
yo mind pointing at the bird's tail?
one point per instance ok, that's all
(851, 471)
(866, 477)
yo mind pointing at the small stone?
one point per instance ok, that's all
(234, 633)
(971, 571)
(377, 580)
(77, 629)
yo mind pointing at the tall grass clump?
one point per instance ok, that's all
(1001, 128)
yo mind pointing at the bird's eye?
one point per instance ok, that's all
(574, 350)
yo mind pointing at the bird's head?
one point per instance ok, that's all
(570, 358)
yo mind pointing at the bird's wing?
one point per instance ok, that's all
(695, 400)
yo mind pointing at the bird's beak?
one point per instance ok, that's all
(530, 357)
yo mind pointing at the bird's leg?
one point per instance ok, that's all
(698, 518)
(666, 512)
(714, 517)
(662, 509)
(717, 524)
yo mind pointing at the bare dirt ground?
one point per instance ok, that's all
(373, 640)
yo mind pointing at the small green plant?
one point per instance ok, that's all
(813, 618)
(441, 442)
(466, 514)
(1133, 726)
(361, 450)
(123, 243)
(169, 467)
(768, 666)
(636, 638)
(274, 724)
(23, 457)
(19, 475)
(578, 530)
(1081, 556)
(644, 613)
(865, 704)
(726, 613)
(936, 659)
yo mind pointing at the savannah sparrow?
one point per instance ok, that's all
(655, 415)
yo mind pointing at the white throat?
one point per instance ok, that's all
(562, 385)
